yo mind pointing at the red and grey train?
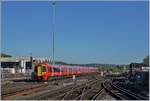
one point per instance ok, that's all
(45, 71)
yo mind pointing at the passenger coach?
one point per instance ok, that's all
(44, 72)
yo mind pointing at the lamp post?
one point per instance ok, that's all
(53, 28)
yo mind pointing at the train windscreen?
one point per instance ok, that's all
(44, 69)
(35, 69)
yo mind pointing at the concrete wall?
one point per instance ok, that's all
(9, 70)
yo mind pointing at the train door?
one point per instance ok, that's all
(39, 71)
(44, 72)
(61, 71)
(56, 71)
(70, 71)
(79, 72)
(48, 73)
(65, 71)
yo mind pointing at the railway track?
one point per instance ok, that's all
(81, 92)
(51, 93)
(15, 87)
(120, 93)
(93, 90)
(95, 97)
(72, 92)
(27, 91)
(90, 89)
(77, 93)
(16, 91)
(62, 93)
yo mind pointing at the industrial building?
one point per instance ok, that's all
(19, 64)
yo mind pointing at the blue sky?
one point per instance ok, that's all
(86, 32)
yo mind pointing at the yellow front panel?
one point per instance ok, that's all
(39, 71)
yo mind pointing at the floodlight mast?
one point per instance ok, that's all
(53, 25)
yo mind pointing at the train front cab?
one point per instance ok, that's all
(39, 72)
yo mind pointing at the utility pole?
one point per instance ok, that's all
(53, 28)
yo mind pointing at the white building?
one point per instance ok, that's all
(21, 61)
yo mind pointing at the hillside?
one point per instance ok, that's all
(5, 55)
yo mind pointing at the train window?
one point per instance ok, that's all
(44, 69)
(50, 69)
(62, 70)
(35, 69)
(70, 70)
(78, 69)
(67, 69)
(56, 69)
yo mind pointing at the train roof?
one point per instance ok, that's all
(68, 66)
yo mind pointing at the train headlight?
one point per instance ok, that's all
(43, 73)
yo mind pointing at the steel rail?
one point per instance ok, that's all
(82, 86)
(126, 93)
(96, 95)
(129, 93)
(106, 88)
(80, 97)
(64, 95)
(61, 93)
